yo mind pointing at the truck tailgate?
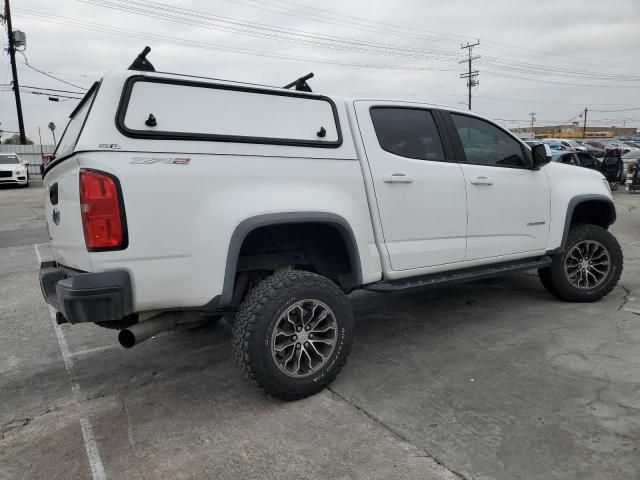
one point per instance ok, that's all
(62, 211)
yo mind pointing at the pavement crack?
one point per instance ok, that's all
(13, 425)
(626, 299)
(398, 434)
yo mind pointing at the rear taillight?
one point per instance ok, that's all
(103, 218)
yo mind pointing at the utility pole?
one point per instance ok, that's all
(533, 120)
(584, 128)
(14, 71)
(471, 75)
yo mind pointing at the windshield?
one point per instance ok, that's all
(9, 160)
(74, 127)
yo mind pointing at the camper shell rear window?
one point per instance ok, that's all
(173, 109)
(77, 119)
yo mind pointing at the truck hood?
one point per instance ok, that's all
(572, 180)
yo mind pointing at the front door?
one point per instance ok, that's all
(419, 190)
(508, 202)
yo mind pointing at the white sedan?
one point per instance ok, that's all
(13, 170)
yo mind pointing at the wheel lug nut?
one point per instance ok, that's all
(295, 337)
(297, 346)
(306, 344)
(307, 328)
(311, 335)
(299, 329)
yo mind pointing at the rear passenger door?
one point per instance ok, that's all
(508, 202)
(419, 189)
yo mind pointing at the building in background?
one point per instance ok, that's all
(573, 130)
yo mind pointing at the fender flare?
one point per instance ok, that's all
(250, 224)
(573, 203)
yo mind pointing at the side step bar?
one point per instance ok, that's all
(458, 276)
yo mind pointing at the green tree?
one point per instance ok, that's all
(15, 140)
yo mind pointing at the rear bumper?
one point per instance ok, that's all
(86, 297)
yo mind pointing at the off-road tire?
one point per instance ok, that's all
(257, 317)
(555, 279)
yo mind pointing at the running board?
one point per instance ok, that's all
(458, 276)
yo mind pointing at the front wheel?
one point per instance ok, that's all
(292, 334)
(589, 268)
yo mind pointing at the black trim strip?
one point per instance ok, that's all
(160, 135)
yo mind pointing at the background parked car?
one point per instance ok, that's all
(13, 170)
(577, 146)
(579, 159)
(629, 160)
(555, 145)
(565, 143)
(596, 152)
(624, 149)
(599, 144)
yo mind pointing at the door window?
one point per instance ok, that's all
(486, 144)
(408, 132)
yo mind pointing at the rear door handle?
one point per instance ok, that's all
(397, 178)
(481, 181)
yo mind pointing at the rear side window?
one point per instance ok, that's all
(486, 144)
(408, 132)
(70, 136)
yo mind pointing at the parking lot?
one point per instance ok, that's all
(495, 379)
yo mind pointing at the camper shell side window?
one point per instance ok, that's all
(174, 109)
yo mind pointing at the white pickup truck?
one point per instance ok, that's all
(174, 199)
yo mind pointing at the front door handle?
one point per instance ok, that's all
(397, 178)
(481, 181)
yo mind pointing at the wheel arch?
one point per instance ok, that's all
(592, 208)
(251, 224)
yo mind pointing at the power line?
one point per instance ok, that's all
(49, 75)
(217, 22)
(621, 110)
(108, 29)
(202, 19)
(433, 36)
(539, 80)
(43, 88)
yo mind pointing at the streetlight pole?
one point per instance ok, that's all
(52, 127)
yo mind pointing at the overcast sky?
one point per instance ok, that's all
(549, 57)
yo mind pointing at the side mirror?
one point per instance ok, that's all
(25, 163)
(541, 155)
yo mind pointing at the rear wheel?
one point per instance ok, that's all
(292, 334)
(588, 269)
